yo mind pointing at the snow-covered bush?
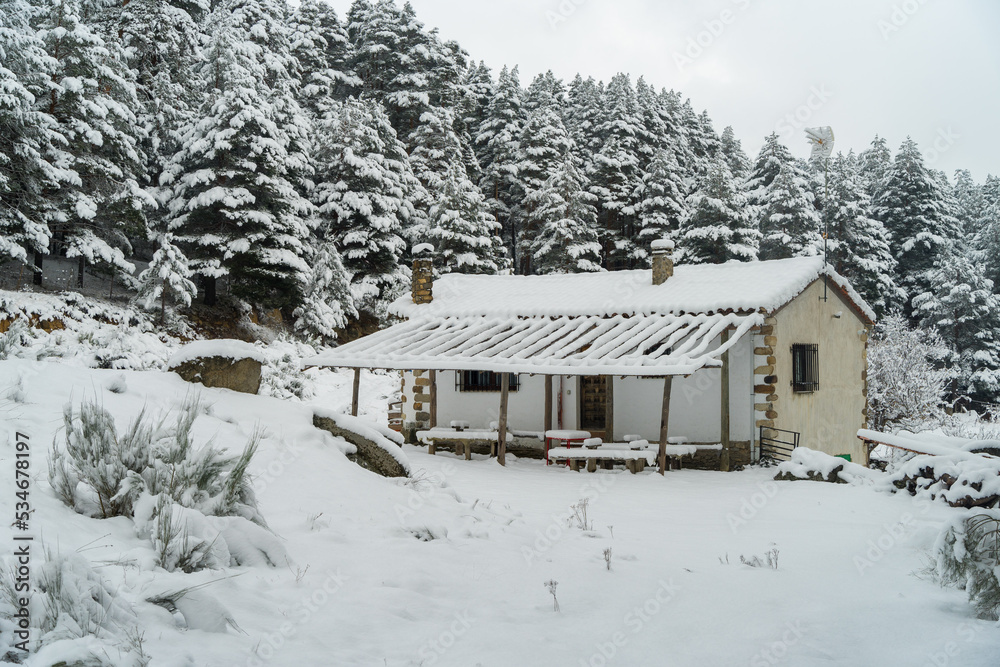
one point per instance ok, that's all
(150, 458)
(905, 384)
(14, 339)
(282, 375)
(78, 617)
(968, 556)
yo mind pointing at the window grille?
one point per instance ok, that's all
(483, 381)
(805, 368)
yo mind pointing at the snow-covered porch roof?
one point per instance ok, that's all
(652, 345)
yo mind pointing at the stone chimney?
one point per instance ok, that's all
(423, 273)
(663, 260)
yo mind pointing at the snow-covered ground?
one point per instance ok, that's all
(450, 567)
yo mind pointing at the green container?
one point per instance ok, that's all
(846, 457)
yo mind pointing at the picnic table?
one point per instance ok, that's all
(459, 438)
(635, 460)
(567, 438)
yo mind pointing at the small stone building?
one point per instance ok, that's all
(776, 350)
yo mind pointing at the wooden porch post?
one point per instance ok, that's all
(668, 382)
(725, 464)
(609, 408)
(434, 399)
(502, 431)
(356, 392)
(547, 423)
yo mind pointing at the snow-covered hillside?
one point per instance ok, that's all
(450, 567)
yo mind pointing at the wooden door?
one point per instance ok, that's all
(593, 402)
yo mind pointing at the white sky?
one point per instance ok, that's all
(925, 68)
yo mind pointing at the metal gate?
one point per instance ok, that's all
(777, 444)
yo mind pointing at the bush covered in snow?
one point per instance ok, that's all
(968, 556)
(78, 618)
(282, 375)
(194, 503)
(906, 384)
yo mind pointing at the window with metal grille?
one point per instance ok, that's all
(805, 367)
(483, 381)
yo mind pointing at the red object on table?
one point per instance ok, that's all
(567, 438)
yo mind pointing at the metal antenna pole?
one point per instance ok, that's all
(826, 222)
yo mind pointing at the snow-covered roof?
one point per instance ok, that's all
(593, 345)
(704, 288)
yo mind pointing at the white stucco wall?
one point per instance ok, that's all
(694, 406)
(829, 418)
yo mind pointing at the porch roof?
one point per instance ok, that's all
(652, 344)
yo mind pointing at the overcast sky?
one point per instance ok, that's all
(925, 68)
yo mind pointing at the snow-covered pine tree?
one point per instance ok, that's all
(582, 117)
(465, 235)
(913, 210)
(563, 212)
(772, 156)
(92, 98)
(653, 136)
(970, 201)
(544, 145)
(719, 228)
(404, 66)
(614, 173)
(499, 156)
(435, 148)
(731, 150)
(859, 244)
(234, 206)
(162, 39)
(961, 306)
(361, 191)
(874, 163)
(30, 137)
(166, 277)
(660, 202)
(545, 90)
(319, 43)
(327, 304)
(789, 224)
(986, 240)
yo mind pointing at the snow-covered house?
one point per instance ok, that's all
(649, 353)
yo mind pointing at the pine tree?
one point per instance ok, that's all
(464, 234)
(563, 213)
(361, 199)
(320, 44)
(789, 224)
(859, 244)
(970, 201)
(92, 97)
(30, 137)
(544, 145)
(961, 306)
(719, 228)
(168, 276)
(162, 39)
(614, 174)
(234, 206)
(327, 305)
(582, 117)
(913, 210)
(731, 150)
(499, 156)
(436, 148)
(875, 163)
(986, 240)
(545, 90)
(772, 157)
(661, 203)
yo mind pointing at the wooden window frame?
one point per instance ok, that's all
(805, 368)
(483, 381)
